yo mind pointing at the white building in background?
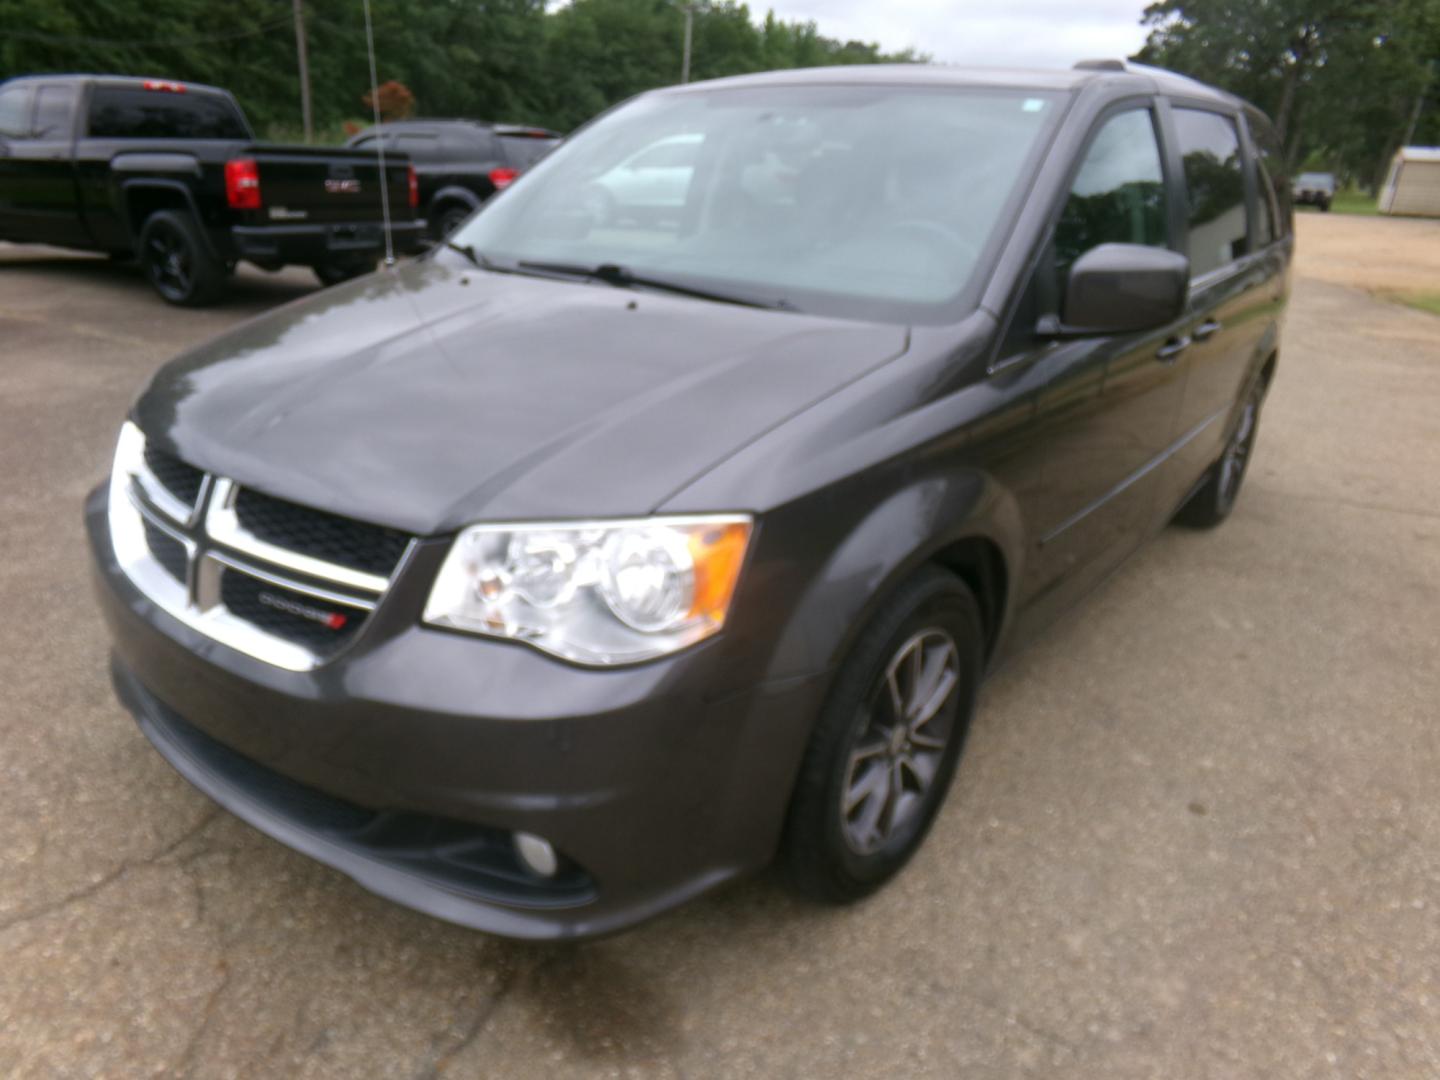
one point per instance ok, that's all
(1413, 186)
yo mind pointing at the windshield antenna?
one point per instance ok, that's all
(379, 141)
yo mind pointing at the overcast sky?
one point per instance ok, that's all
(1044, 33)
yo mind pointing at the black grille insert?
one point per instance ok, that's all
(319, 625)
(168, 551)
(176, 477)
(372, 549)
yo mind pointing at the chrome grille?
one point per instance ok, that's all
(179, 479)
(281, 582)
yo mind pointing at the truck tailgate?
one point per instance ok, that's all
(327, 185)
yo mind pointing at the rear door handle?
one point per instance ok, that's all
(1172, 349)
(1206, 329)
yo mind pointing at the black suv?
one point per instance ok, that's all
(460, 163)
(582, 565)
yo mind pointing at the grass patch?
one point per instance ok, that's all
(1354, 202)
(1420, 300)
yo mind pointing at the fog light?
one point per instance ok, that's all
(537, 854)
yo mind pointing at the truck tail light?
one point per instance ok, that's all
(165, 85)
(242, 184)
(502, 177)
(414, 182)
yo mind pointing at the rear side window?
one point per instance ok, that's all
(15, 111)
(1214, 188)
(54, 107)
(421, 147)
(1119, 194)
(1272, 166)
(522, 151)
(131, 113)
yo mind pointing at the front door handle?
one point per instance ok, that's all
(1206, 329)
(1168, 352)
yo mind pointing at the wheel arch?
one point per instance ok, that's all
(967, 524)
(143, 198)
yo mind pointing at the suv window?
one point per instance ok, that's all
(15, 112)
(54, 107)
(421, 146)
(1214, 188)
(122, 112)
(522, 151)
(1119, 194)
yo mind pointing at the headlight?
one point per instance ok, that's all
(597, 593)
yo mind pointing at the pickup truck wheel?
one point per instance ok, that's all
(448, 220)
(178, 262)
(338, 270)
(887, 741)
(1212, 503)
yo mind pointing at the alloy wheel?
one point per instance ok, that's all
(1237, 453)
(900, 742)
(168, 259)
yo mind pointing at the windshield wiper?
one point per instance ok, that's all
(623, 278)
(476, 259)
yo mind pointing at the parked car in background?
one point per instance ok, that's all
(170, 173)
(1315, 189)
(585, 566)
(653, 180)
(459, 163)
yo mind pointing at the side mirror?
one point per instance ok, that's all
(1122, 288)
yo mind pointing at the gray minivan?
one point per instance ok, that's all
(591, 561)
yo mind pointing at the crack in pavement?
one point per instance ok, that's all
(186, 1063)
(441, 1061)
(115, 875)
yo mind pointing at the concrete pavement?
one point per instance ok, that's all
(1195, 833)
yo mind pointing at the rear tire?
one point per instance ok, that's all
(339, 270)
(178, 262)
(1212, 503)
(449, 218)
(884, 749)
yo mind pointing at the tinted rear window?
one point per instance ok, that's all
(127, 113)
(523, 151)
(1215, 187)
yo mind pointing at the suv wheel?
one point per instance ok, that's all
(884, 750)
(178, 262)
(1212, 503)
(448, 220)
(338, 270)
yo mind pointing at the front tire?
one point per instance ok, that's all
(178, 262)
(1212, 503)
(883, 752)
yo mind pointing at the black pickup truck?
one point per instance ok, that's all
(169, 173)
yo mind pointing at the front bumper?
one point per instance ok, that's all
(408, 760)
(320, 243)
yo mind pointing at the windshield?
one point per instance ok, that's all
(1316, 180)
(875, 202)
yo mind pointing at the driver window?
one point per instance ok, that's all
(1119, 194)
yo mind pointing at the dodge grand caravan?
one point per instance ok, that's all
(587, 563)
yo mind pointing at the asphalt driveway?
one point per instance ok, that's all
(1197, 832)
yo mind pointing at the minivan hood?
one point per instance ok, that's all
(432, 397)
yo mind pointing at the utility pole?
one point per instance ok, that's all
(689, 25)
(306, 117)
(1419, 103)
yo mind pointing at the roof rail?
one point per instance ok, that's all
(1100, 65)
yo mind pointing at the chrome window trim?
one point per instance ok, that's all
(222, 525)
